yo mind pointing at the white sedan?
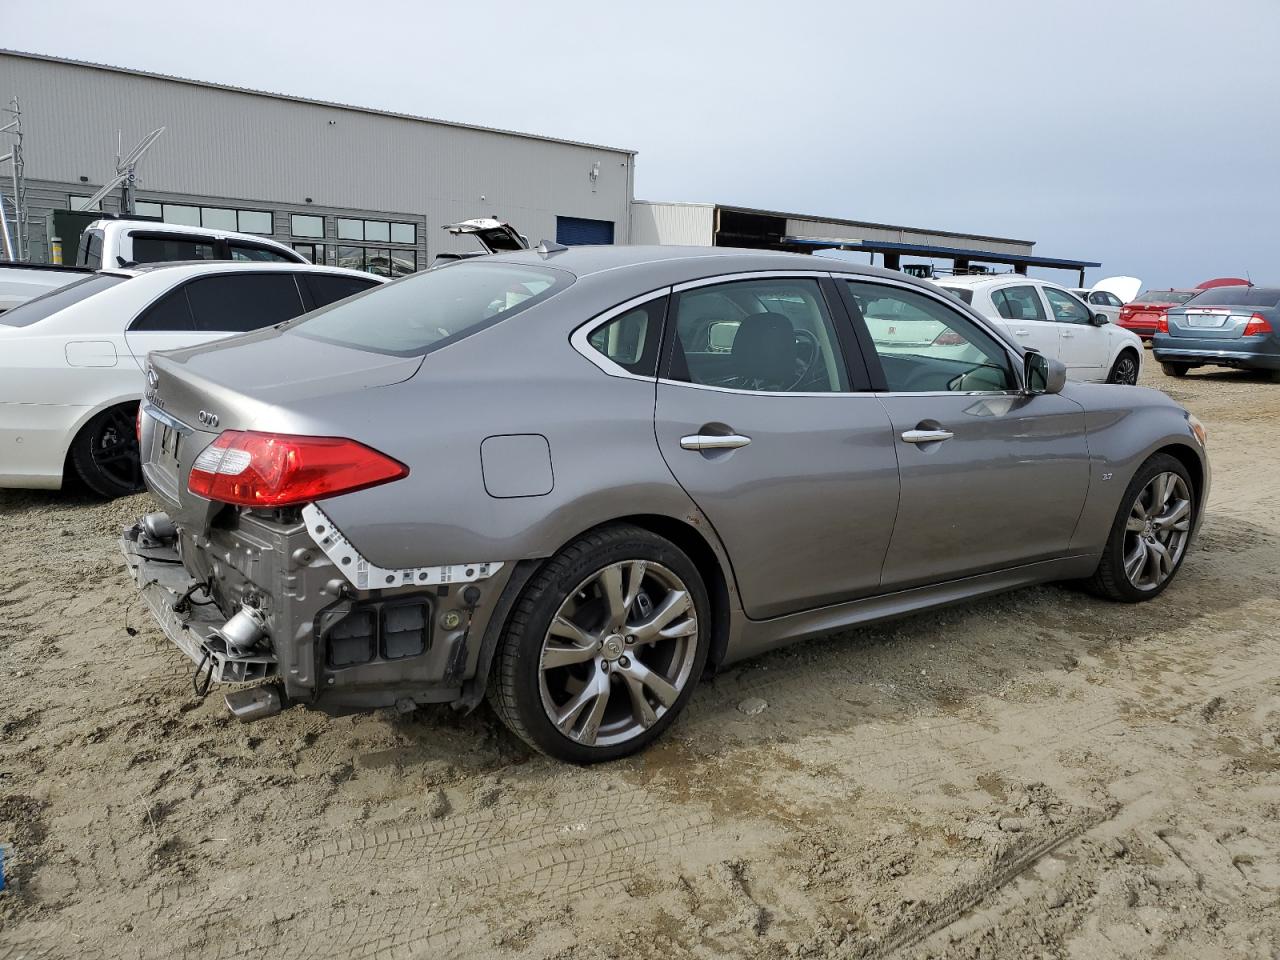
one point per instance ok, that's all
(72, 361)
(1053, 320)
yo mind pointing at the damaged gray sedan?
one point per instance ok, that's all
(578, 481)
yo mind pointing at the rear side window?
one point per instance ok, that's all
(1018, 303)
(327, 288)
(89, 253)
(238, 303)
(157, 249)
(1236, 297)
(47, 304)
(962, 293)
(170, 312)
(256, 254)
(429, 310)
(631, 339)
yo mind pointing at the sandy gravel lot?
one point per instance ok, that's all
(1038, 775)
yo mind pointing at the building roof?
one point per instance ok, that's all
(868, 223)
(933, 250)
(307, 100)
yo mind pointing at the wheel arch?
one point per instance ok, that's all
(123, 400)
(1189, 458)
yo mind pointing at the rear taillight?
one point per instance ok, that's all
(1162, 322)
(137, 424)
(949, 338)
(1257, 326)
(278, 470)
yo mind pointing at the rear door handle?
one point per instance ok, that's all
(927, 436)
(1022, 333)
(710, 441)
(1067, 333)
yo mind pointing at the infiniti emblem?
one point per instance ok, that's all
(208, 419)
(153, 381)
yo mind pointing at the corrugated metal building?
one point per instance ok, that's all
(351, 185)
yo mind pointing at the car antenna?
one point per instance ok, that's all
(547, 247)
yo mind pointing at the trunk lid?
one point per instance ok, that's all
(1210, 323)
(261, 381)
(1126, 288)
(496, 236)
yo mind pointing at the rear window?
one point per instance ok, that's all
(1236, 297)
(963, 293)
(1164, 296)
(46, 305)
(428, 310)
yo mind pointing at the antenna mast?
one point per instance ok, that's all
(16, 246)
(126, 174)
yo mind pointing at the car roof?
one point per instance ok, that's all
(979, 279)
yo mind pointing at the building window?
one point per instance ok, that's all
(377, 231)
(74, 202)
(380, 261)
(305, 225)
(212, 218)
(314, 252)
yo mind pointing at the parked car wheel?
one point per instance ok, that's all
(1125, 369)
(105, 452)
(1175, 369)
(604, 647)
(1149, 536)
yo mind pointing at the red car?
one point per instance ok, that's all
(1143, 314)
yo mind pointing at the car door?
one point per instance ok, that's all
(211, 307)
(761, 421)
(1084, 346)
(990, 478)
(1023, 311)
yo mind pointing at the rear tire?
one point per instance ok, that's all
(1125, 369)
(1175, 369)
(105, 452)
(614, 675)
(1150, 534)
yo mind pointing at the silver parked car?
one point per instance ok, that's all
(578, 480)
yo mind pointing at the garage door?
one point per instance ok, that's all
(574, 231)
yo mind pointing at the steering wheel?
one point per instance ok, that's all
(804, 365)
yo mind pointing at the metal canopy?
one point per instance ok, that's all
(930, 250)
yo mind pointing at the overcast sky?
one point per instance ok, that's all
(1145, 135)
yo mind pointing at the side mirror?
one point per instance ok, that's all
(1100, 319)
(1040, 374)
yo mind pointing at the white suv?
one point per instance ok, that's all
(1053, 320)
(108, 244)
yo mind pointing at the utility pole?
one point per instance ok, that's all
(16, 248)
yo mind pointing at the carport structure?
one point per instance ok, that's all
(720, 225)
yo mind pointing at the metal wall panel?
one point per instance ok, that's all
(678, 224)
(263, 151)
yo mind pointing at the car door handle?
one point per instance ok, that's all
(927, 436)
(1022, 333)
(712, 441)
(1067, 333)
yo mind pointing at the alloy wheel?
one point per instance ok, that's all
(114, 450)
(1126, 371)
(619, 652)
(1157, 530)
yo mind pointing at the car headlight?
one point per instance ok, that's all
(1198, 429)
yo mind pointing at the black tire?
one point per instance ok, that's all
(1110, 580)
(1175, 369)
(105, 452)
(514, 689)
(1125, 369)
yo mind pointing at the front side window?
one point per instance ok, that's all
(1018, 303)
(327, 288)
(238, 303)
(1066, 308)
(432, 309)
(631, 339)
(773, 335)
(925, 346)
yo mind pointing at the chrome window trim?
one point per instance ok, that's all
(579, 338)
(749, 275)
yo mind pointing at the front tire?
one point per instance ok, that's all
(1149, 536)
(1175, 369)
(1125, 369)
(604, 646)
(105, 453)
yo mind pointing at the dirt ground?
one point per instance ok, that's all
(1038, 775)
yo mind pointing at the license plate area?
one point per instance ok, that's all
(1203, 320)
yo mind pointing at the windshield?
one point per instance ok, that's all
(1164, 296)
(964, 293)
(428, 310)
(1236, 297)
(46, 305)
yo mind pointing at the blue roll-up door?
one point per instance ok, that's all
(575, 231)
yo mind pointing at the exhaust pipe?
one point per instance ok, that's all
(256, 703)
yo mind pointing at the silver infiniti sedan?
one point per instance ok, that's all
(578, 481)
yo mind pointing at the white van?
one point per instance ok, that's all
(110, 244)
